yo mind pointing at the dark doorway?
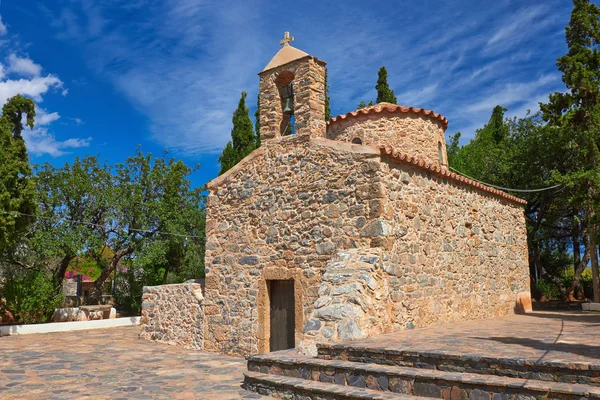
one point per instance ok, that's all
(283, 326)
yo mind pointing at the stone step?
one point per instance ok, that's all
(301, 389)
(414, 381)
(551, 370)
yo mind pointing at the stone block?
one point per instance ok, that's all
(523, 304)
(65, 314)
(427, 390)
(594, 306)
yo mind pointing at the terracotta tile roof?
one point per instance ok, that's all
(389, 152)
(392, 108)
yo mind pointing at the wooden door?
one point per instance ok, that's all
(281, 294)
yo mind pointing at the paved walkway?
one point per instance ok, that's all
(566, 337)
(113, 364)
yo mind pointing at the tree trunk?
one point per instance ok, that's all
(164, 279)
(59, 274)
(579, 264)
(96, 293)
(545, 275)
(594, 259)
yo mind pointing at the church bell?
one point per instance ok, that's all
(289, 100)
(289, 106)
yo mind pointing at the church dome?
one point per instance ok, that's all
(414, 131)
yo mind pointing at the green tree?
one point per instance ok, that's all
(327, 100)
(486, 157)
(363, 104)
(155, 214)
(257, 119)
(384, 93)
(526, 154)
(577, 113)
(143, 210)
(243, 140)
(30, 295)
(13, 111)
(17, 189)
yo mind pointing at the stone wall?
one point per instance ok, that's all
(458, 253)
(406, 132)
(173, 314)
(362, 236)
(353, 300)
(281, 214)
(308, 75)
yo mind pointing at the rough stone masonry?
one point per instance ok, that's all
(362, 214)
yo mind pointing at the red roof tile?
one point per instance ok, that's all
(392, 108)
(389, 152)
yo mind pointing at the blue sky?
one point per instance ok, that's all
(167, 74)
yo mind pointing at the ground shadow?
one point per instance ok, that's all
(578, 345)
(584, 350)
(590, 319)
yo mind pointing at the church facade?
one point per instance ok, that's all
(349, 228)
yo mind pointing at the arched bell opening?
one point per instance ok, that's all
(285, 88)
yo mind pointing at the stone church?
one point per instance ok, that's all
(342, 229)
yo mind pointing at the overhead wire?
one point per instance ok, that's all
(72, 221)
(507, 189)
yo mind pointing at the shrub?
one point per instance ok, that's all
(31, 296)
(548, 289)
(129, 287)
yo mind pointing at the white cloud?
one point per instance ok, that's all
(3, 30)
(512, 93)
(184, 64)
(44, 118)
(34, 88)
(39, 142)
(420, 97)
(32, 84)
(518, 27)
(23, 66)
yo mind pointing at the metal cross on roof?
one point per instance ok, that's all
(287, 39)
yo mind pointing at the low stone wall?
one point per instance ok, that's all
(174, 314)
(83, 313)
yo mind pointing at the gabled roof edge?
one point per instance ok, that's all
(390, 153)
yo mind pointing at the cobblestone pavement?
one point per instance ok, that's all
(113, 364)
(566, 337)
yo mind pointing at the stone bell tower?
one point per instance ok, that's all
(292, 94)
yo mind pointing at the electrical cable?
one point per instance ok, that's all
(507, 189)
(104, 226)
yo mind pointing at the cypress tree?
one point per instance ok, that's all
(577, 113)
(363, 104)
(327, 100)
(257, 118)
(17, 189)
(243, 140)
(384, 93)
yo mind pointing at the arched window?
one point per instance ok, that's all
(285, 87)
(441, 152)
(356, 141)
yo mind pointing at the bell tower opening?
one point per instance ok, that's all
(285, 87)
(292, 94)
